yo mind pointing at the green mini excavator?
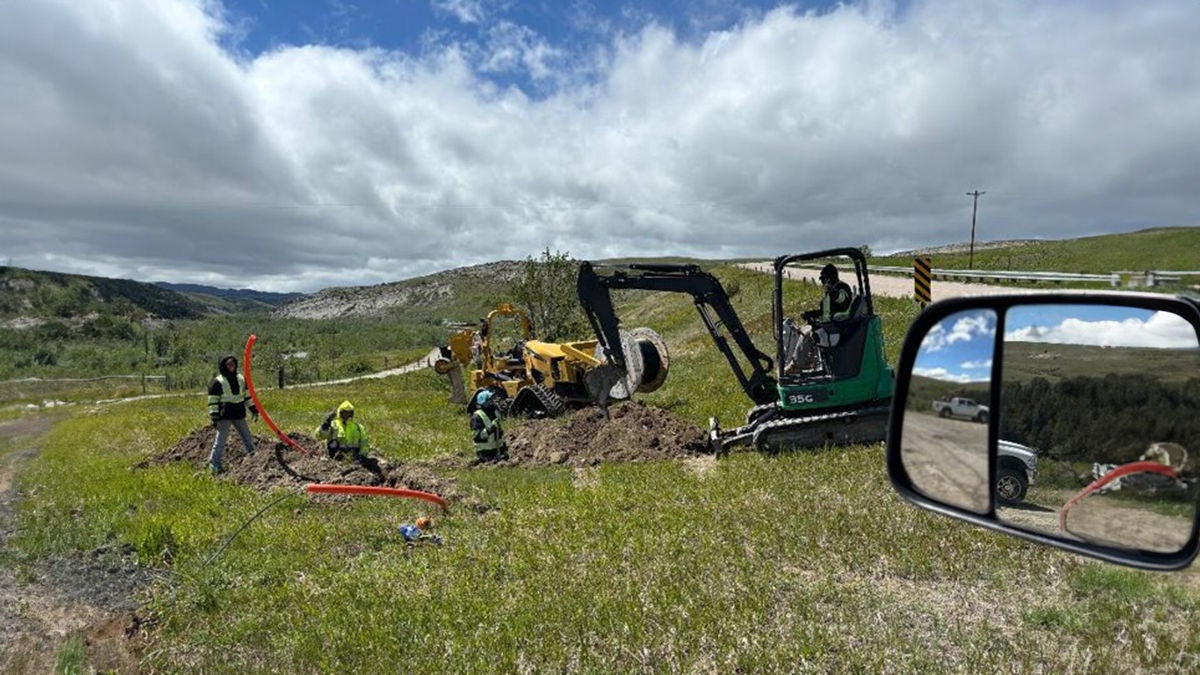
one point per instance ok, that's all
(839, 395)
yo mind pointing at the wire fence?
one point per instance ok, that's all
(45, 392)
(75, 388)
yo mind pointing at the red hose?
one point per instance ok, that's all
(325, 488)
(258, 404)
(1123, 470)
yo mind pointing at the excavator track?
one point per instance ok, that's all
(766, 410)
(848, 427)
(537, 401)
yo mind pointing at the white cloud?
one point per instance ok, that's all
(513, 48)
(986, 364)
(964, 328)
(466, 11)
(1162, 330)
(946, 375)
(136, 145)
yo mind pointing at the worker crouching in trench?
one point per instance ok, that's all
(345, 437)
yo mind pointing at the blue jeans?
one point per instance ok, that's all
(218, 449)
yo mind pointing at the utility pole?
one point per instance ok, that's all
(974, 210)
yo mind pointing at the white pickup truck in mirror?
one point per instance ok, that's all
(1093, 403)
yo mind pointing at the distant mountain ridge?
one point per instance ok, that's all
(264, 297)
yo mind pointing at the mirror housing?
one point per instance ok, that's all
(960, 464)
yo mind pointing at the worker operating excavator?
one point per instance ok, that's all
(819, 329)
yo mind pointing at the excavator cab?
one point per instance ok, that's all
(845, 364)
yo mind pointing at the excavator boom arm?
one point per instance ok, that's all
(711, 300)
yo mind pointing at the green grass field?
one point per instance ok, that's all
(1172, 248)
(751, 563)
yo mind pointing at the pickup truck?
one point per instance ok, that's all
(961, 407)
(1016, 471)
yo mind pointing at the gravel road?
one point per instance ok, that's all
(900, 286)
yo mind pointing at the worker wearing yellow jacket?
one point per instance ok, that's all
(343, 434)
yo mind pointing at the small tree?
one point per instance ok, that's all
(546, 288)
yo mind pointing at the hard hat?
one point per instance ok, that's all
(829, 273)
(483, 397)
(424, 523)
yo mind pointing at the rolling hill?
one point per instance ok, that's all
(1162, 248)
(33, 296)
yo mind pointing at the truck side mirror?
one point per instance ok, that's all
(1092, 403)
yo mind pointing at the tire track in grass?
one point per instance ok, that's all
(44, 616)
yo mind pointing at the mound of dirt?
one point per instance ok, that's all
(275, 464)
(633, 433)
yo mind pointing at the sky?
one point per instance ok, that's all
(960, 347)
(293, 146)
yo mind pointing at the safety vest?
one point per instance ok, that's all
(835, 304)
(227, 395)
(492, 433)
(347, 436)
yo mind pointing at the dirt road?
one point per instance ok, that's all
(947, 459)
(1102, 519)
(40, 608)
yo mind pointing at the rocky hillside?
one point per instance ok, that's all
(457, 293)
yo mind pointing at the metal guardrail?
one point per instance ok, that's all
(1115, 279)
(1119, 278)
(1005, 275)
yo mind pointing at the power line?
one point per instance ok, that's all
(974, 210)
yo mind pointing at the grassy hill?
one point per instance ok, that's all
(31, 294)
(1053, 362)
(1170, 248)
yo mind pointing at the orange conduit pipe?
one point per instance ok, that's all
(372, 490)
(315, 488)
(1123, 470)
(257, 403)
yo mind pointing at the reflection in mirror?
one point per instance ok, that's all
(1099, 412)
(944, 450)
